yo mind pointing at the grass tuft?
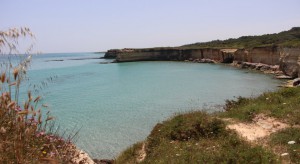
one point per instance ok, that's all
(282, 104)
(280, 141)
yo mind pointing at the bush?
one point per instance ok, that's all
(230, 104)
(184, 129)
(196, 137)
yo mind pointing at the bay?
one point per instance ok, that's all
(115, 105)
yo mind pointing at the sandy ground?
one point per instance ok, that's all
(261, 126)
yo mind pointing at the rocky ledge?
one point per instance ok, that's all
(272, 69)
(273, 59)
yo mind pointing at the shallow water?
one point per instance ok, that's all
(117, 104)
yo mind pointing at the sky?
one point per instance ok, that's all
(99, 25)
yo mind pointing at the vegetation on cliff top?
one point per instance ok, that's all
(283, 104)
(290, 38)
(197, 137)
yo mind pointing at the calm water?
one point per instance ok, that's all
(116, 105)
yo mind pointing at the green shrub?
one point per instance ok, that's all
(188, 138)
(202, 126)
(282, 104)
(231, 104)
(290, 38)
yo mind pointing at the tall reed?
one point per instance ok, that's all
(25, 136)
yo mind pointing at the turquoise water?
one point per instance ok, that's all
(117, 104)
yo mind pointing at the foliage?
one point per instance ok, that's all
(186, 127)
(281, 139)
(283, 104)
(214, 144)
(25, 137)
(229, 104)
(178, 140)
(290, 38)
(130, 155)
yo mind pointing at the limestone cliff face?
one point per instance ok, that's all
(172, 54)
(265, 55)
(290, 61)
(112, 53)
(287, 58)
(213, 54)
(152, 54)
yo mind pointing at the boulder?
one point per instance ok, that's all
(296, 82)
(283, 77)
(290, 61)
(206, 61)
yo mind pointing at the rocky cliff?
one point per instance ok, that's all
(266, 55)
(171, 54)
(290, 61)
(151, 54)
(287, 58)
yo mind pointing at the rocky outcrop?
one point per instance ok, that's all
(265, 55)
(202, 60)
(273, 69)
(79, 156)
(290, 61)
(174, 54)
(270, 58)
(152, 54)
(112, 54)
(296, 82)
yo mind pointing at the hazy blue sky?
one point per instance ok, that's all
(98, 25)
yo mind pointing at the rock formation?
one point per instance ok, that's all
(290, 61)
(269, 58)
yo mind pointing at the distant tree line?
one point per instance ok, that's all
(290, 38)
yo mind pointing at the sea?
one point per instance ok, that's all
(114, 105)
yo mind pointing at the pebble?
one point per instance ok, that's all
(291, 142)
(284, 154)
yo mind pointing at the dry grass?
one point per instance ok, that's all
(25, 135)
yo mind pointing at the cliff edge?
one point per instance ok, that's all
(288, 59)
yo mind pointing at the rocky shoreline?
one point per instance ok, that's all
(277, 60)
(264, 68)
(283, 64)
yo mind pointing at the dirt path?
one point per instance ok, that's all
(261, 126)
